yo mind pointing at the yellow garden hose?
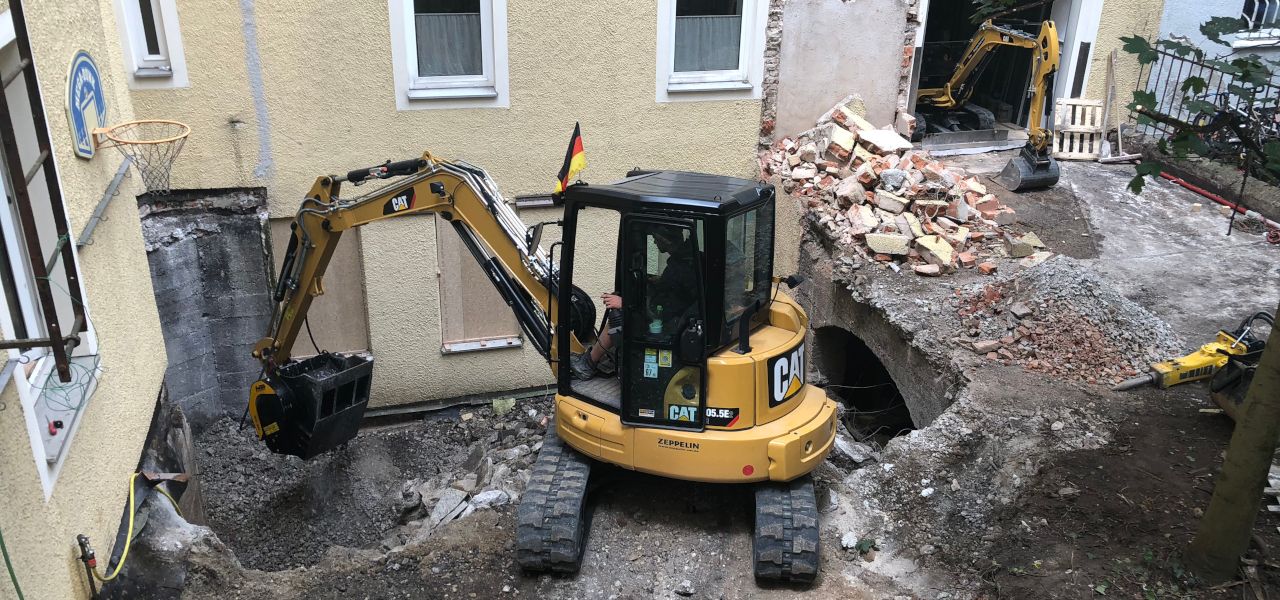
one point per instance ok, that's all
(128, 540)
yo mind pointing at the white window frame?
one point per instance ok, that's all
(33, 370)
(168, 67)
(1261, 36)
(737, 84)
(489, 90)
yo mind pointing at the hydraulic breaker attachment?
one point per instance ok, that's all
(310, 406)
(1030, 170)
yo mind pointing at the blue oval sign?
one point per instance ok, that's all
(86, 103)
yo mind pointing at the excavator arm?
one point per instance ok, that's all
(959, 88)
(309, 406)
(461, 193)
(1045, 65)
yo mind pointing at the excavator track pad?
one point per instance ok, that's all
(785, 544)
(551, 522)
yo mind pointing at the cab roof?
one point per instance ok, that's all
(700, 192)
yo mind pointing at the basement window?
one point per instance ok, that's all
(710, 49)
(450, 50)
(152, 41)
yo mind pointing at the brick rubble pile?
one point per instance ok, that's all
(869, 189)
(1062, 320)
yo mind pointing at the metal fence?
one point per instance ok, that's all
(1164, 79)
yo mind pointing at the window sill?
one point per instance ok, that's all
(1257, 40)
(497, 343)
(452, 93)
(153, 73)
(679, 87)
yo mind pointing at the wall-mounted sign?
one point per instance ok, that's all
(86, 103)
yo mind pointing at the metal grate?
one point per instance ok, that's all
(1164, 79)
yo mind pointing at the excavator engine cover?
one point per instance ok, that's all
(1030, 170)
(317, 403)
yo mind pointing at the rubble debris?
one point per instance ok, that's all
(869, 190)
(1061, 319)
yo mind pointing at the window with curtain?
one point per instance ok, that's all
(450, 38)
(708, 35)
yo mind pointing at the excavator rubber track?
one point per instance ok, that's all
(551, 522)
(785, 544)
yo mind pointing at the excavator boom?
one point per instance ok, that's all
(306, 407)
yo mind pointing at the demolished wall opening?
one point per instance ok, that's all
(875, 410)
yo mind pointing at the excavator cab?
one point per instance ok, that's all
(694, 269)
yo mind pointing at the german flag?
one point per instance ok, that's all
(574, 160)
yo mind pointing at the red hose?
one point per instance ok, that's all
(1273, 228)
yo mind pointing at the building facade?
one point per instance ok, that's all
(275, 101)
(60, 481)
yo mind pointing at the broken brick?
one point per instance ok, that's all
(927, 270)
(1006, 216)
(985, 346)
(967, 259)
(1020, 310)
(987, 268)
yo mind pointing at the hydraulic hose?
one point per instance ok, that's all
(9, 565)
(128, 540)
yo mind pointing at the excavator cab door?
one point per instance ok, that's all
(663, 348)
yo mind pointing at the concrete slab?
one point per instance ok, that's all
(1179, 264)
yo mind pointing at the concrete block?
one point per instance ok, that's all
(883, 141)
(890, 202)
(936, 250)
(958, 238)
(888, 243)
(1005, 216)
(863, 218)
(912, 224)
(1030, 237)
(804, 172)
(1036, 258)
(1016, 248)
(849, 192)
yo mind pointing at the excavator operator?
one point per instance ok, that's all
(669, 298)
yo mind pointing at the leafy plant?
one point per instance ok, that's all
(1233, 122)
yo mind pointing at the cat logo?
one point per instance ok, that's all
(786, 375)
(400, 202)
(682, 413)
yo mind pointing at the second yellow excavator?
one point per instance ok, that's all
(710, 377)
(1035, 166)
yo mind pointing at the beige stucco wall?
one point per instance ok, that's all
(1121, 18)
(89, 493)
(331, 107)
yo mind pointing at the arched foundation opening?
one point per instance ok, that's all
(875, 410)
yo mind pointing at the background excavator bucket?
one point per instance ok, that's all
(1028, 170)
(314, 405)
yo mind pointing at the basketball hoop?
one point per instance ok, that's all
(152, 144)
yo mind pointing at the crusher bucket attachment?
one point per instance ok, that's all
(310, 406)
(1029, 170)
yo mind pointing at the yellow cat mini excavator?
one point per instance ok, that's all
(710, 381)
(1035, 166)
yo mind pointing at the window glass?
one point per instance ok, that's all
(668, 292)
(449, 37)
(748, 261)
(708, 35)
(149, 26)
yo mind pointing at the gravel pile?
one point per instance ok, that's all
(1062, 319)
